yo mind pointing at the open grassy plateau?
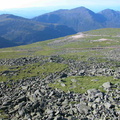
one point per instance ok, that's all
(75, 77)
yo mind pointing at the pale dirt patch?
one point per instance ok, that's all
(80, 35)
(101, 40)
(72, 38)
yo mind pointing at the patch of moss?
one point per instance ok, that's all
(3, 116)
(105, 31)
(83, 83)
(33, 70)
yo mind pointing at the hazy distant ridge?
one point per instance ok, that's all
(82, 19)
(25, 31)
(16, 30)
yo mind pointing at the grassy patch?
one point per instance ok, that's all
(3, 116)
(70, 49)
(83, 83)
(65, 45)
(105, 31)
(31, 70)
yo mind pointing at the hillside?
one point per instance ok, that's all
(24, 31)
(76, 77)
(60, 23)
(112, 18)
(6, 43)
(82, 19)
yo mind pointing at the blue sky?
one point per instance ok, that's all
(95, 5)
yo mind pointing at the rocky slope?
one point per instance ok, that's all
(71, 78)
(32, 98)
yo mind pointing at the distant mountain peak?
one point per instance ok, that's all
(61, 10)
(82, 18)
(108, 11)
(80, 8)
(111, 15)
(11, 16)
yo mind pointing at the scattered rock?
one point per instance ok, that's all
(83, 109)
(64, 75)
(107, 105)
(107, 85)
(95, 80)
(33, 99)
(63, 85)
(73, 80)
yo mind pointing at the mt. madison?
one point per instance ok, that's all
(16, 30)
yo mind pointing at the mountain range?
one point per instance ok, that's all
(82, 19)
(29, 12)
(25, 31)
(21, 31)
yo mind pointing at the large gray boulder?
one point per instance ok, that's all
(107, 85)
(83, 109)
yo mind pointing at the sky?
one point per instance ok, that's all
(95, 4)
(51, 5)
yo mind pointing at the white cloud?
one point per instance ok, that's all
(95, 2)
(7, 4)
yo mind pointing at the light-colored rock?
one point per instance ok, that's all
(98, 100)
(107, 105)
(63, 85)
(92, 92)
(83, 109)
(107, 85)
(73, 80)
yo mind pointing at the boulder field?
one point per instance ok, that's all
(33, 99)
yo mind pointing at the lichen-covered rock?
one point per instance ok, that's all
(107, 85)
(83, 109)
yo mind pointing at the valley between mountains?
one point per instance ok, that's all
(76, 77)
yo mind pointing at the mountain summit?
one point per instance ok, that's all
(82, 19)
(75, 18)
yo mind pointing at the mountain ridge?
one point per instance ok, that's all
(78, 17)
(23, 31)
(59, 23)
